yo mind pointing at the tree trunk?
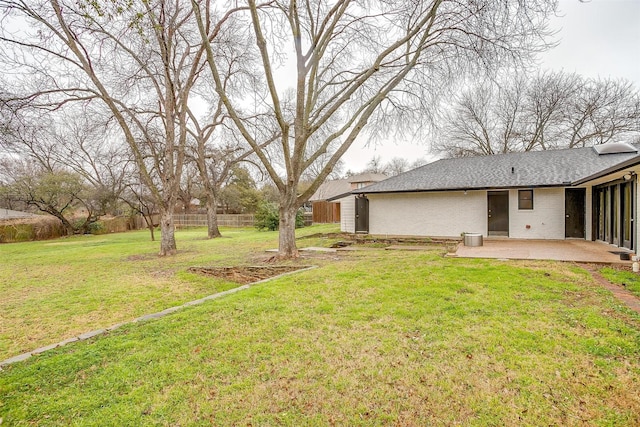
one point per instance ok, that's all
(167, 234)
(212, 218)
(67, 225)
(69, 229)
(148, 219)
(287, 231)
(153, 236)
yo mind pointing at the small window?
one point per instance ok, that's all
(525, 199)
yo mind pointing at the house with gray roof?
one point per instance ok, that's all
(583, 193)
(333, 196)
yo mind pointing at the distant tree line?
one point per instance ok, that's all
(547, 111)
(392, 167)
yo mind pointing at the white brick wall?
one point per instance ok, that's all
(546, 219)
(441, 214)
(347, 214)
(449, 214)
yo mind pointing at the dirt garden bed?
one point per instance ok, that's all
(244, 275)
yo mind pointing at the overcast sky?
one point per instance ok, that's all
(598, 38)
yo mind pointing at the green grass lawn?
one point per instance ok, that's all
(368, 338)
(57, 289)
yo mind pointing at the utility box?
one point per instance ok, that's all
(473, 239)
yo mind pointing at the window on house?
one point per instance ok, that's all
(525, 199)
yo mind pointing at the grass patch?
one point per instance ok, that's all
(53, 290)
(369, 338)
(629, 279)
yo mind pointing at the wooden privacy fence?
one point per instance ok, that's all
(326, 212)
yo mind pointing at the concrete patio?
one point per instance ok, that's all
(559, 250)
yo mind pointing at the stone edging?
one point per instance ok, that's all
(146, 317)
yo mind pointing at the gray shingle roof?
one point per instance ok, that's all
(338, 188)
(530, 169)
(330, 189)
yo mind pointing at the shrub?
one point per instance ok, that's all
(300, 218)
(96, 228)
(117, 224)
(25, 229)
(267, 217)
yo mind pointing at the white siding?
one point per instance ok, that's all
(441, 214)
(347, 214)
(544, 221)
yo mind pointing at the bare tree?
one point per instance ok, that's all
(485, 119)
(215, 148)
(603, 111)
(467, 130)
(140, 201)
(546, 97)
(377, 165)
(216, 151)
(549, 110)
(67, 158)
(189, 188)
(59, 193)
(361, 66)
(140, 59)
(397, 165)
(86, 143)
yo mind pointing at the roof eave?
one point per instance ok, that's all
(363, 191)
(613, 169)
(339, 196)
